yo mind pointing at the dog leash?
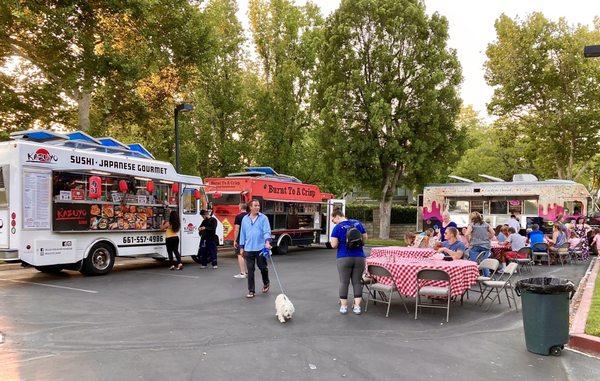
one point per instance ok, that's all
(268, 254)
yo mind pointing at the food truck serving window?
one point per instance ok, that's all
(189, 202)
(225, 198)
(124, 203)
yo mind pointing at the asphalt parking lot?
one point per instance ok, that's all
(145, 322)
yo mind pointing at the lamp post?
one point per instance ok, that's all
(182, 107)
(591, 51)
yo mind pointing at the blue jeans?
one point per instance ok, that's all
(474, 252)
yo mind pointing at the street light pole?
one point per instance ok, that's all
(182, 107)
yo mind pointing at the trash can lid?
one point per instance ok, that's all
(546, 285)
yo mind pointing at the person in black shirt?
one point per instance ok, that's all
(208, 240)
(236, 242)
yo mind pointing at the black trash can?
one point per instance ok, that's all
(545, 304)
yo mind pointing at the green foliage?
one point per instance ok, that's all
(494, 149)
(387, 93)
(90, 65)
(286, 38)
(404, 215)
(387, 96)
(360, 212)
(592, 326)
(547, 91)
(400, 214)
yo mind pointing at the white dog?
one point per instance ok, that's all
(284, 309)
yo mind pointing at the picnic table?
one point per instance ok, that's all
(463, 273)
(402, 252)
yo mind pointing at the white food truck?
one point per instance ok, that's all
(70, 201)
(531, 200)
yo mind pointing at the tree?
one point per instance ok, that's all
(387, 95)
(286, 39)
(77, 47)
(551, 94)
(494, 150)
(223, 95)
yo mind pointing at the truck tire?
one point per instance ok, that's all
(196, 258)
(100, 260)
(51, 269)
(328, 245)
(282, 248)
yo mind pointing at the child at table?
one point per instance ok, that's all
(596, 241)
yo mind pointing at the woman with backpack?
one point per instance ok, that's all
(348, 237)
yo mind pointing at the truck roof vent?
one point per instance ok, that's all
(524, 177)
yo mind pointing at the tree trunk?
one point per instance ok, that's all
(83, 109)
(385, 213)
(385, 205)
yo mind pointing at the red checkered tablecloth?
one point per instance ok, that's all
(402, 252)
(498, 250)
(463, 273)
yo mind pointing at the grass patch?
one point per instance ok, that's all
(385, 242)
(592, 326)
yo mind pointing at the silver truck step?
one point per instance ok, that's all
(9, 255)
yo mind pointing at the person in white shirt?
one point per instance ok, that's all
(517, 242)
(514, 223)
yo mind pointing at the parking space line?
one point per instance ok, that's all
(50, 285)
(173, 275)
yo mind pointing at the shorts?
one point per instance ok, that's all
(237, 251)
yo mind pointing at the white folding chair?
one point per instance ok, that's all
(499, 285)
(433, 291)
(489, 264)
(384, 290)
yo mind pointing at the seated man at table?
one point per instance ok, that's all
(452, 246)
(517, 242)
(535, 235)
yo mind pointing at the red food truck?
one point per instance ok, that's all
(299, 214)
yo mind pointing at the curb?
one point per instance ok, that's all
(578, 339)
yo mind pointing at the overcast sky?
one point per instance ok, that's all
(472, 29)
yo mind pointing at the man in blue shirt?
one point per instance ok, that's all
(535, 235)
(255, 235)
(452, 246)
(350, 261)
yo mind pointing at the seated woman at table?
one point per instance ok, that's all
(504, 233)
(451, 245)
(462, 237)
(559, 238)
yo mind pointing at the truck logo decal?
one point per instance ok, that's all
(41, 156)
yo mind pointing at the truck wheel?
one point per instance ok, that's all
(51, 269)
(555, 350)
(283, 247)
(328, 245)
(196, 259)
(100, 260)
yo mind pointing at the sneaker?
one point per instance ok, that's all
(343, 310)
(356, 310)
(215, 267)
(202, 267)
(240, 276)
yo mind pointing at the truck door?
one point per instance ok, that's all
(331, 206)
(190, 220)
(4, 215)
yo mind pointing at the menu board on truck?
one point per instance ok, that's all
(36, 200)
